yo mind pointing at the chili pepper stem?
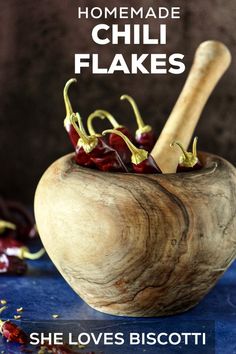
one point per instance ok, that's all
(188, 159)
(2, 322)
(87, 142)
(76, 118)
(81, 126)
(90, 122)
(1, 325)
(194, 147)
(25, 253)
(69, 110)
(6, 225)
(110, 117)
(185, 153)
(142, 127)
(102, 114)
(138, 155)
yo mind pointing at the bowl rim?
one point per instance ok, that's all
(211, 163)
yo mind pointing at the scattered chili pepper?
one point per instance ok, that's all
(115, 141)
(19, 215)
(144, 135)
(12, 265)
(6, 225)
(12, 247)
(11, 331)
(96, 151)
(73, 135)
(188, 160)
(142, 161)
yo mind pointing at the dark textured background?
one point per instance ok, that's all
(38, 40)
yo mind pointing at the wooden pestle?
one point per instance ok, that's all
(211, 60)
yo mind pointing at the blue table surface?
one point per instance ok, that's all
(43, 292)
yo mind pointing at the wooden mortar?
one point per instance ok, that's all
(139, 245)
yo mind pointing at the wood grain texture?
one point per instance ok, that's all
(139, 245)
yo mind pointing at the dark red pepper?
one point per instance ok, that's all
(22, 218)
(114, 141)
(144, 135)
(73, 135)
(142, 161)
(188, 160)
(12, 247)
(96, 151)
(12, 265)
(12, 332)
(84, 143)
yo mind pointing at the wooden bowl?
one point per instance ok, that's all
(139, 245)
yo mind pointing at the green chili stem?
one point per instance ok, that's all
(69, 110)
(102, 114)
(185, 153)
(25, 253)
(90, 122)
(194, 148)
(87, 142)
(138, 155)
(81, 126)
(188, 159)
(6, 225)
(138, 117)
(76, 118)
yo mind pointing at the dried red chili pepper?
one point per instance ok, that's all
(6, 225)
(12, 247)
(12, 265)
(73, 135)
(144, 135)
(188, 160)
(23, 219)
(82, 157)
(12, 332)
(96, 151)
(115, 141)
(142, 161)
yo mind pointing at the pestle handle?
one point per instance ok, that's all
(211, 60)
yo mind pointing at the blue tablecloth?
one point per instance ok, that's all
(43, 292)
